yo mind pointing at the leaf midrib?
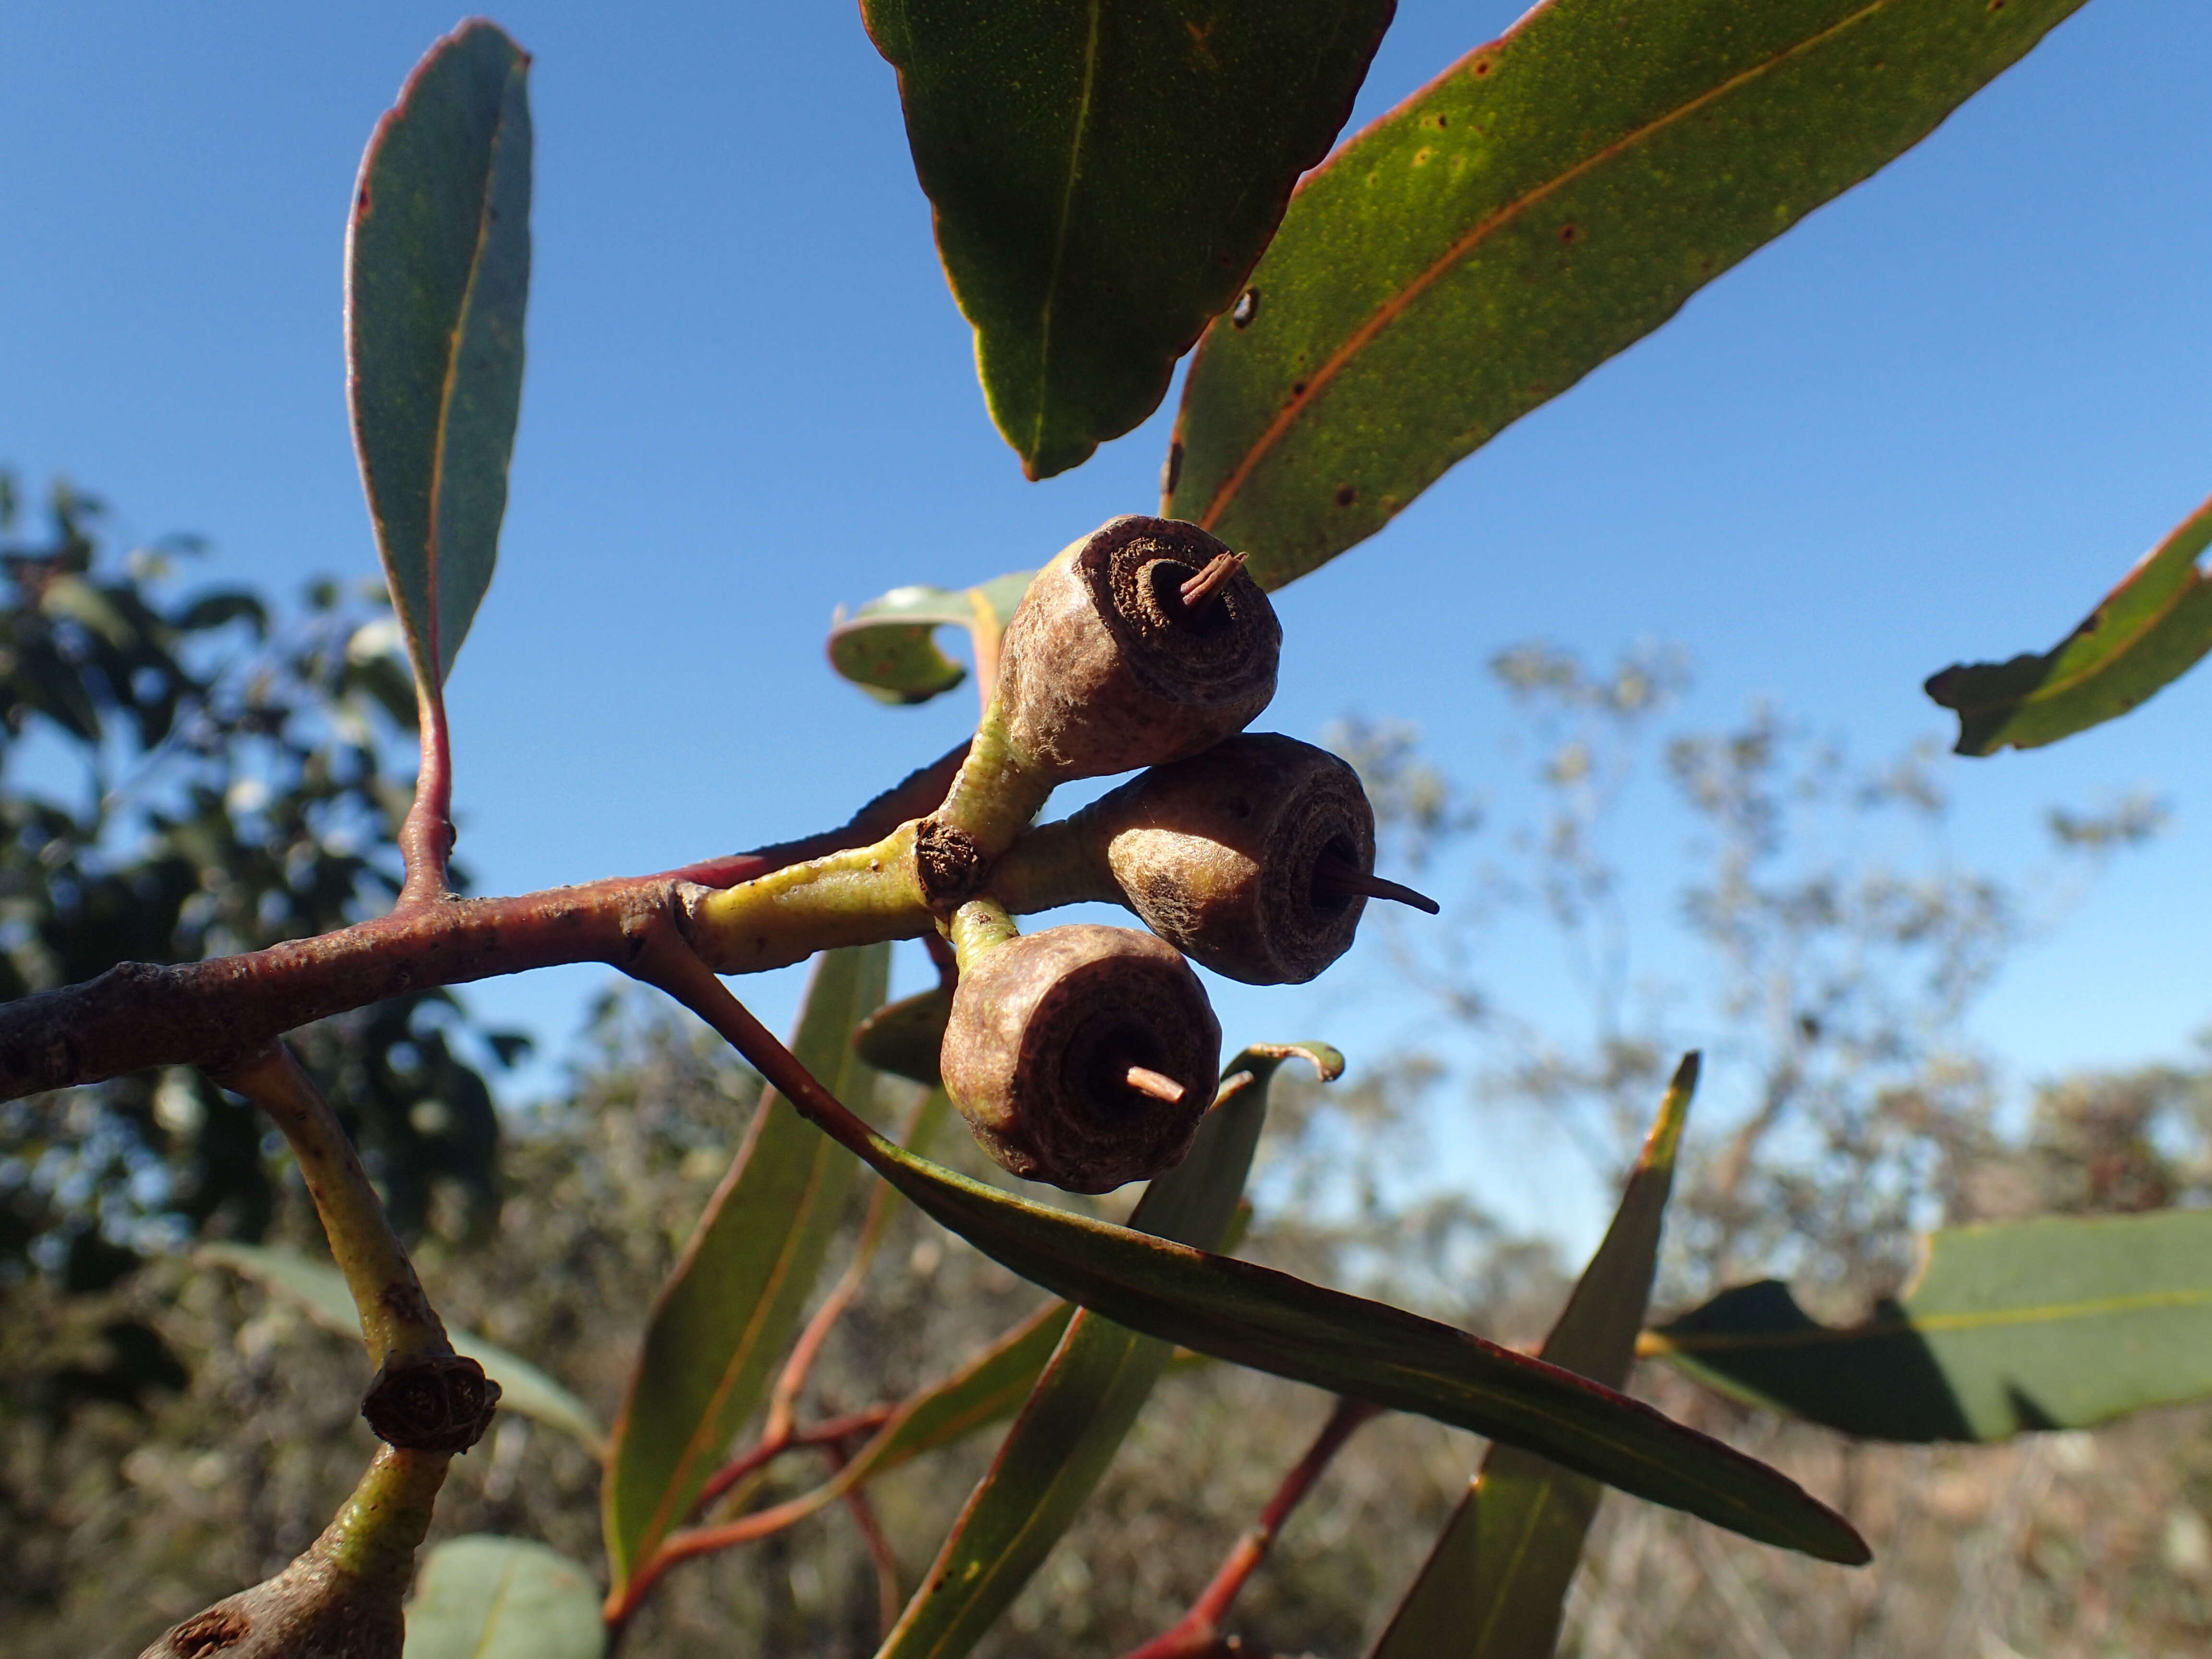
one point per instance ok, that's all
(1060, 230)
(1393, 307)
(1908, 1323)
(2104, 663)
(658, 1524)
(446, 394)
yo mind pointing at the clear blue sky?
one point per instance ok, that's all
(1935, 421)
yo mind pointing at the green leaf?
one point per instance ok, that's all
(887, 647)
(437, 276)
(2149, 630)
(719, 1329)
(1495, 1586)
(905, 1038)
(1104, 176)
(990, 1386)
(482, 1597)
(1088, 1396)
(319, 1290)
(1271, 1322)
(2058, 1323)
(1548, 201)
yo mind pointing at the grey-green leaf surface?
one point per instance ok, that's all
(2145, 633)
(1105, 173)
(1546, 202)
(484, 1597)
(437, 278)
(319, 1290)
(887, 647)
(2063, 1323)
(1090, 1396)
(1495, 1586)
(719, 1329)
(1272, 1321)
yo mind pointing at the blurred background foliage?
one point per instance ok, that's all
(192, 773)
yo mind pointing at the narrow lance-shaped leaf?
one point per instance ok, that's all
(437, 276)
(1272, 1321)
(2063, 1323)
(1105, 173)
(2147, 632)
(1496, 1584)
(319, 1290)
(992, 1383)
(482, 1597)
(889, 648)
(1090, 1396)
(1548, 201)
(719, 1329)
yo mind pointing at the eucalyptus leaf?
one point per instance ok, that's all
(437, 278)
(2146, 633)
(1105, 173)
(719, 1331)
(905, 1038)
(1272, 1321)
(1495, 1586)
(484, 1597)
(1542, 204)
(1089, 1394)
(2063, 1323)
(887, 647)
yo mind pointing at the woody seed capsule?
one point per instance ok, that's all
(1083, 1056)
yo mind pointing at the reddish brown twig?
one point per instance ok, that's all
(138, 1015)
(1198, 1636)
(889, 1599)
(783, 1400)
(834, 1433)
(426, 837)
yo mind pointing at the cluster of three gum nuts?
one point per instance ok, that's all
(1086, 1055)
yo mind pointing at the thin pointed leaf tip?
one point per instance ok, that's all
(437, 278)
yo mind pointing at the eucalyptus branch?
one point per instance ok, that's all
(397, 1319)
(1198, 1635)
(889, 1598)
(212, 1013)
(759, 1456)
(424, 1397)
(343, 1596)
(426, 836)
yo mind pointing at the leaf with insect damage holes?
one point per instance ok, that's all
(1091, 1393)
(2063, 1323)
(1104, 176)
(1495, 1586)
(2146, 633)
(437, 278)
(1548, 201)
(719, 1331)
